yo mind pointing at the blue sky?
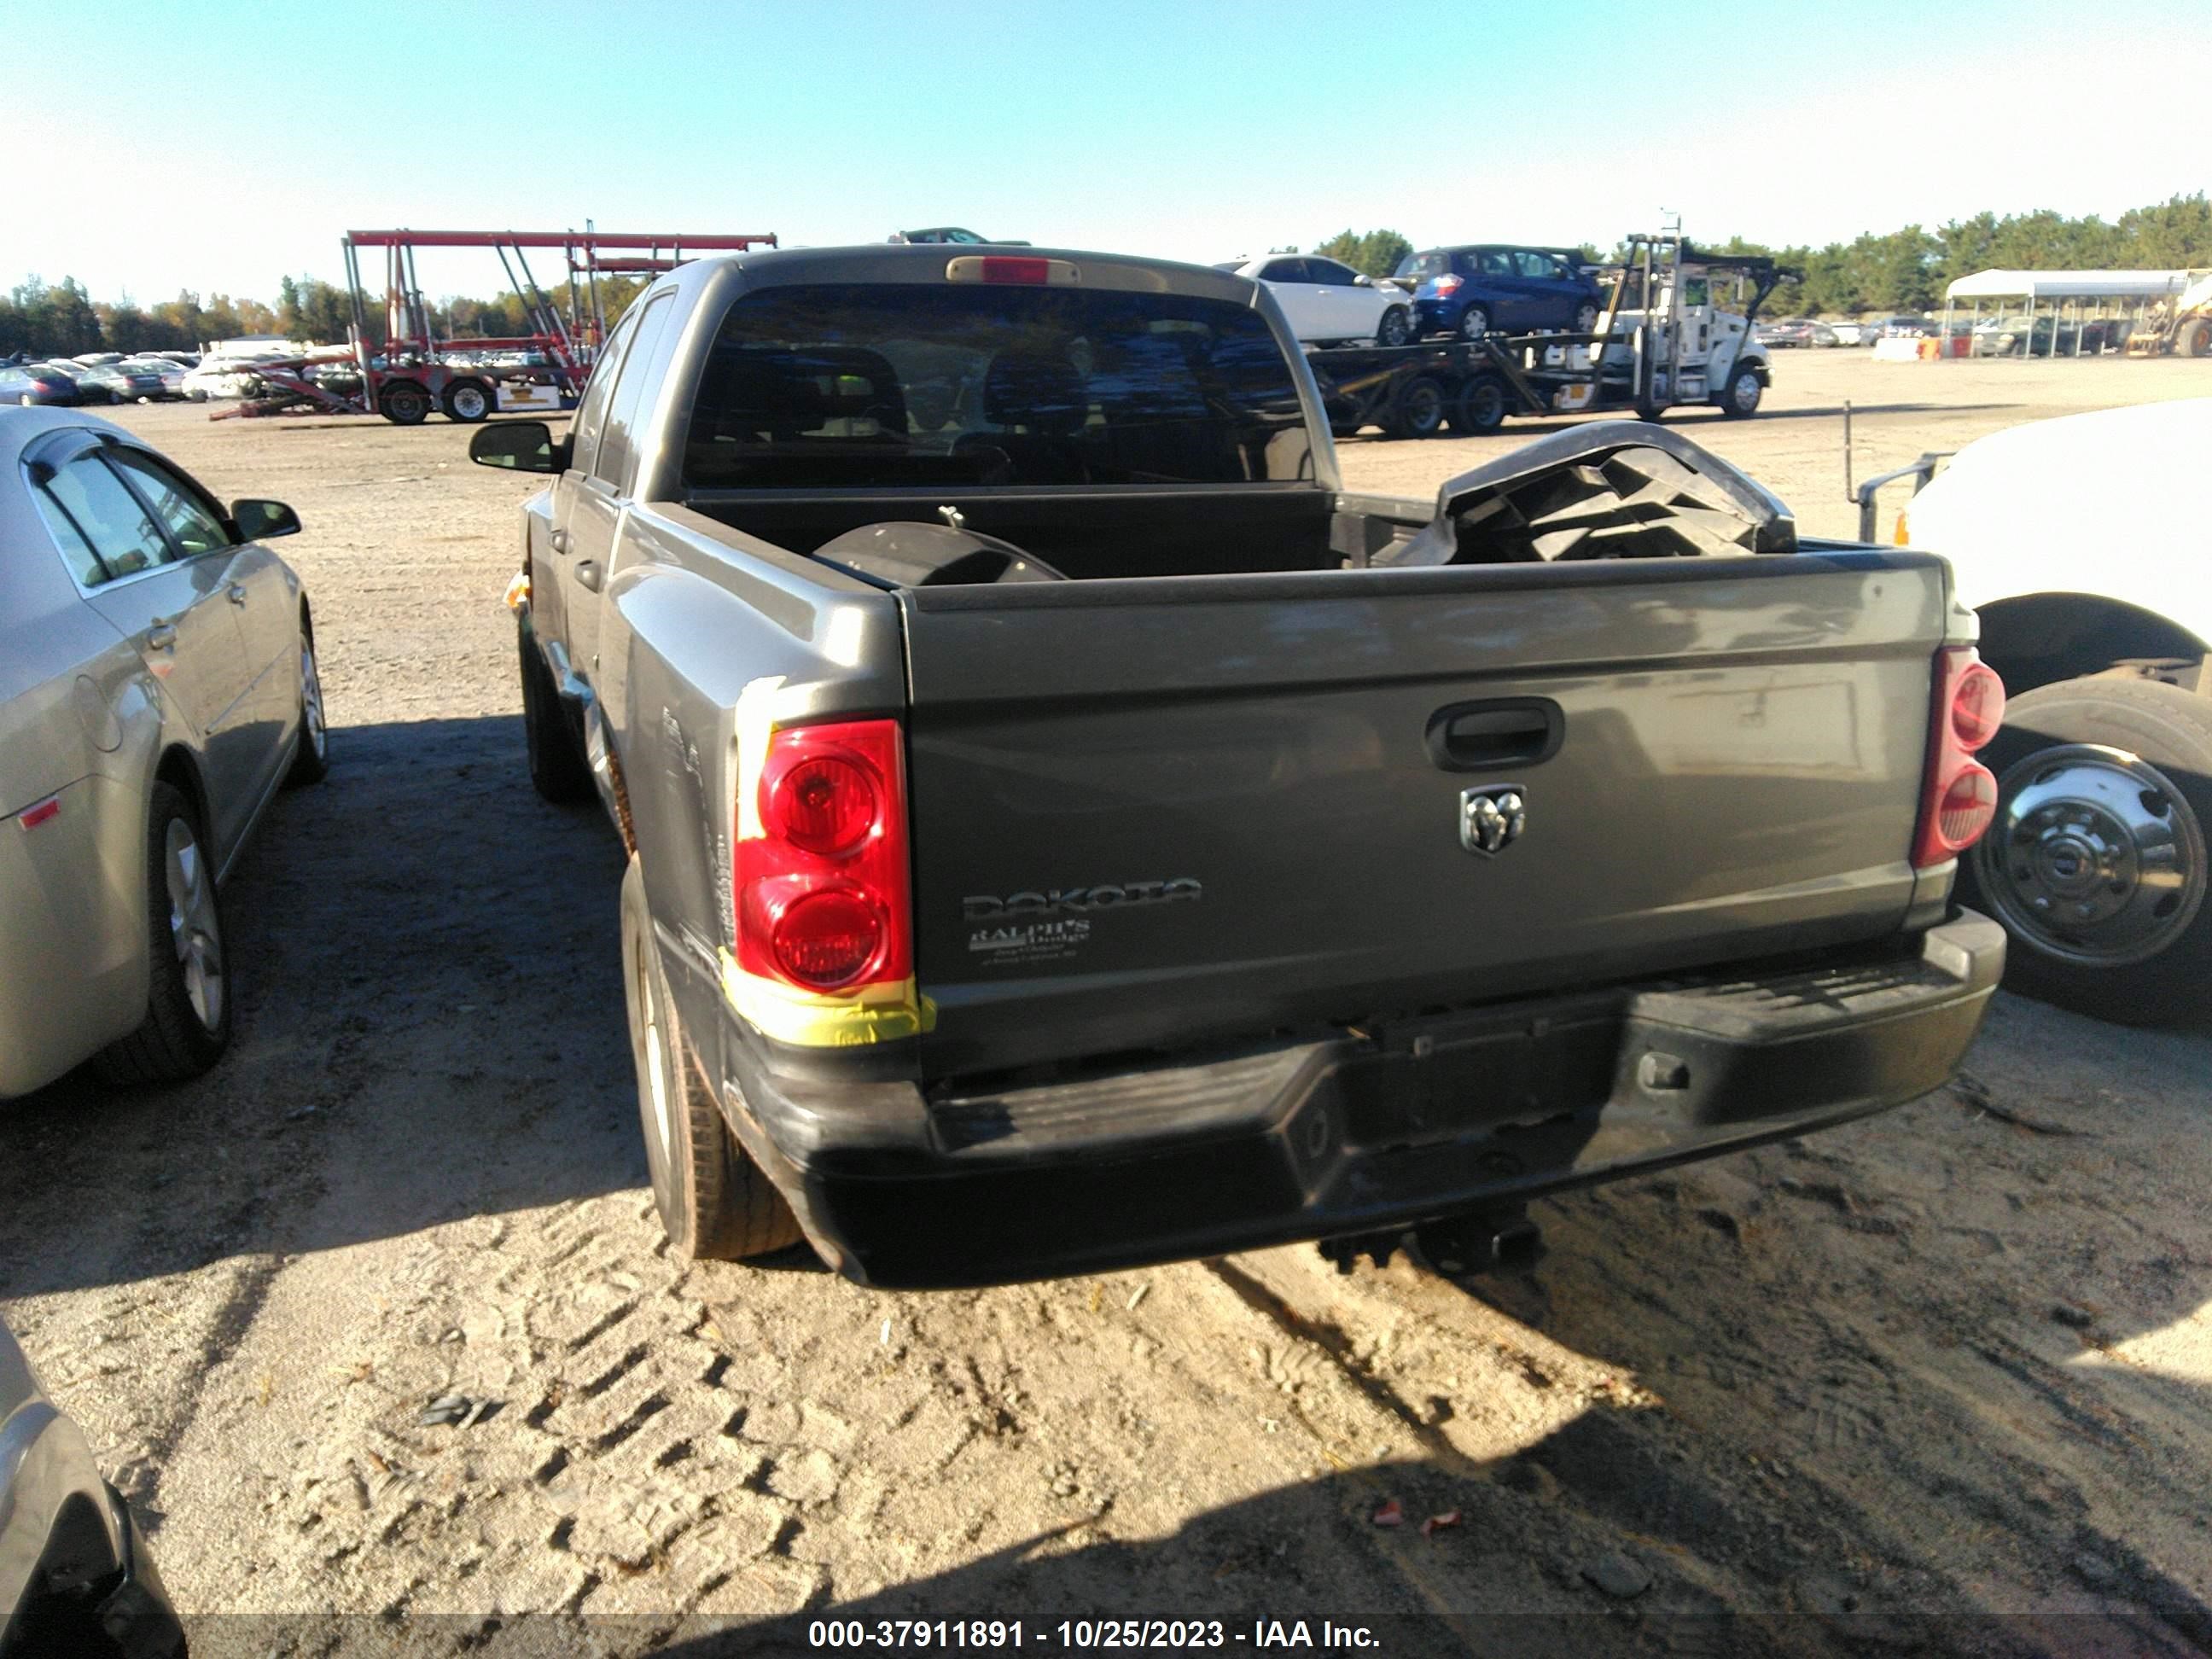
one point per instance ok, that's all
(1197, 131)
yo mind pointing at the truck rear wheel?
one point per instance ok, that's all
(2096, 861)
(558, 771)
(469, 401)
(714, 1202)
(1417, 411)
(2195, 338)
(1480, 407)
(404, 402)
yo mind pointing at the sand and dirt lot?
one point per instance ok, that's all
(1939, 1381)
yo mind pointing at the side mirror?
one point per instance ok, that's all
(257, 520)
(1362, 281)
(518, 446)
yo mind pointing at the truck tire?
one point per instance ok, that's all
(1741, 399)
(469, 402)
(187, 1022)
(558, 771)
(1418, 409)
(2194, 338)
(404, 403)
(1481, 406)
(2095, 863)
(715, 1201)
(1474, 322)
(1397, 327)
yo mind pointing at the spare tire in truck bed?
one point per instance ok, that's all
(914, 555)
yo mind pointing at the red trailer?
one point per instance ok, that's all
(414, 372)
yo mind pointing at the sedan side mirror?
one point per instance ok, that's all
(257, 520)
(1362, 281)
(519, 447)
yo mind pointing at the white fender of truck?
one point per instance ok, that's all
(2108, 503)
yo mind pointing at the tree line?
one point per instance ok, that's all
(1904, 269)
(1907, 269)
(61, 319)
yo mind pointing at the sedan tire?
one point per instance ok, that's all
(714, 1202)
(311, 762)
(187, 1022)
(1397, 327)
(2096, 862)
(1473, 323)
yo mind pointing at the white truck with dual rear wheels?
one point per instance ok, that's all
(2082, 544)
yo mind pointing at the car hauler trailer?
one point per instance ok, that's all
(413, 371)
(1681, 347)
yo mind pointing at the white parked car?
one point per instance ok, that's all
(221, 377)
(1326, 302)
(1850, 332)
(2082, 543)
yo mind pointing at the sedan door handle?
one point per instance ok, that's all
(237, 594)
(160, 636)
(560, 540)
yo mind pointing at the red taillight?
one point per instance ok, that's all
(824, 803)
(827, 937)
(1005, 268)
(1447, 284)
(1958, 796)
(822, 890)
(1977, 706)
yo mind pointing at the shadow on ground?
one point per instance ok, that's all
(419, 945)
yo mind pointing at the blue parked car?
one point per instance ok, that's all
(1472, 291)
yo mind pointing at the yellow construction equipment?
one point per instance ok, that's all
(2181, 326)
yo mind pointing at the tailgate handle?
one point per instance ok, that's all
(1469, 736)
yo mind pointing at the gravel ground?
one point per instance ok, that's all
(1943, 1379)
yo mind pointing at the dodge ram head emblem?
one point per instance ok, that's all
(1491, 820)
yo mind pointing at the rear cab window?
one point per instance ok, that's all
(871, 386)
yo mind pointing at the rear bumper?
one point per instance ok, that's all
(1359, 1131)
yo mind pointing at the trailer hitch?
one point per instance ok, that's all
(1455, 1246)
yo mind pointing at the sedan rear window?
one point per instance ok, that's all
(866, 386)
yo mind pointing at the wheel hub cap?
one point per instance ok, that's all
(194, 928)
(2094, 855)
(311, 700)
(656, 1076)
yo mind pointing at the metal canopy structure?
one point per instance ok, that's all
(2123, 295)
(2067, 285)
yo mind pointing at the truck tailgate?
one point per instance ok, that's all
(1154, 812)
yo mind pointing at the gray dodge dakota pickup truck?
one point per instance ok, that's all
(1068, 830)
